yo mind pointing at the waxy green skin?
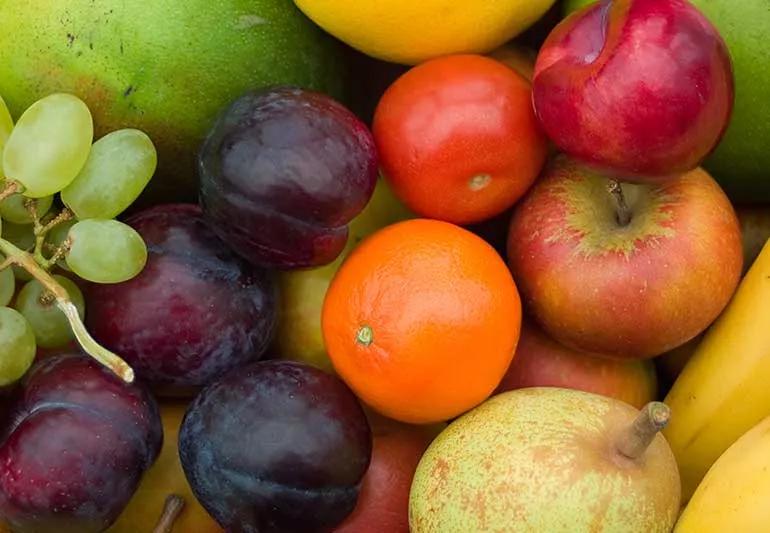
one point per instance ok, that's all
(543, 459)
(166, 67)
(741, 161)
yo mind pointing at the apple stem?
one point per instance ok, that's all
(636, 438)
(623, 212)
(18, 257)
(171, 510)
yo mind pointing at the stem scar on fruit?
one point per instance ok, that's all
(479, 181)
(365, 335)
(37, 266)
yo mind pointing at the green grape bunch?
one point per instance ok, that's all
(60, 193)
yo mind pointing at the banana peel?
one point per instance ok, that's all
(734, 494)
(724, 390)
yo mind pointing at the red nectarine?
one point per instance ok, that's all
(643, 88)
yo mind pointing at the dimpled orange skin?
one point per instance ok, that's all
(443, 314)
(458, 138)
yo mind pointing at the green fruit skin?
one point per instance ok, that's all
(543, 459)
(165, 67)
(741, 162)
(299, 336)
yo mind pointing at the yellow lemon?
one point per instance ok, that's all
(411, 31)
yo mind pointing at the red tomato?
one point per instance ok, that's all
(458, 138)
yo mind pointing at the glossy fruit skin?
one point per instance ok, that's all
(75, 444)
(62, 124)
(422, 320)
(741, 160)
(125, 60)
(282, 173)
(639, 88)
(600, 287)
(407, 32)
(458, 139)
(276, 446)
(383, 504)
(105, 251)
(542, 362)
(194, 312)
(163, 478)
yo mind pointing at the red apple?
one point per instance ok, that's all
(641, 88)
(631, 273)
(542, 362)
(383, 503)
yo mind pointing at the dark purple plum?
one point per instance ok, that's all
(195, 311)
(282, 173)
(74, 446)
(276, 446)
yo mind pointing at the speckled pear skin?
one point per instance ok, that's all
(543, 460)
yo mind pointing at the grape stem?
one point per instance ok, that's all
(18, 257)
(11, 187)
(41, 229)
(59, 252)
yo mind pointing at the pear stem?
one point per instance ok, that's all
(636, 438)
(171, 510)
(18, 257)
(622, 209)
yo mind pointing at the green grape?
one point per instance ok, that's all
(17, 346)
(118, 168)
(12, 208)
(51, 328)
(23, 237)
(7, 285)
(105, 251)
(49, 144)
(56, 238)
(6, 125)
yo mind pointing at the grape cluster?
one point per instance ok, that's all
(59, 195)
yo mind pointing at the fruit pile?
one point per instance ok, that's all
(393, 266)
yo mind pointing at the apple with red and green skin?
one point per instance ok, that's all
(542, 362)
(630, 270)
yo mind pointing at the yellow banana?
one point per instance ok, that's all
(724, 390)
(734, 494)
